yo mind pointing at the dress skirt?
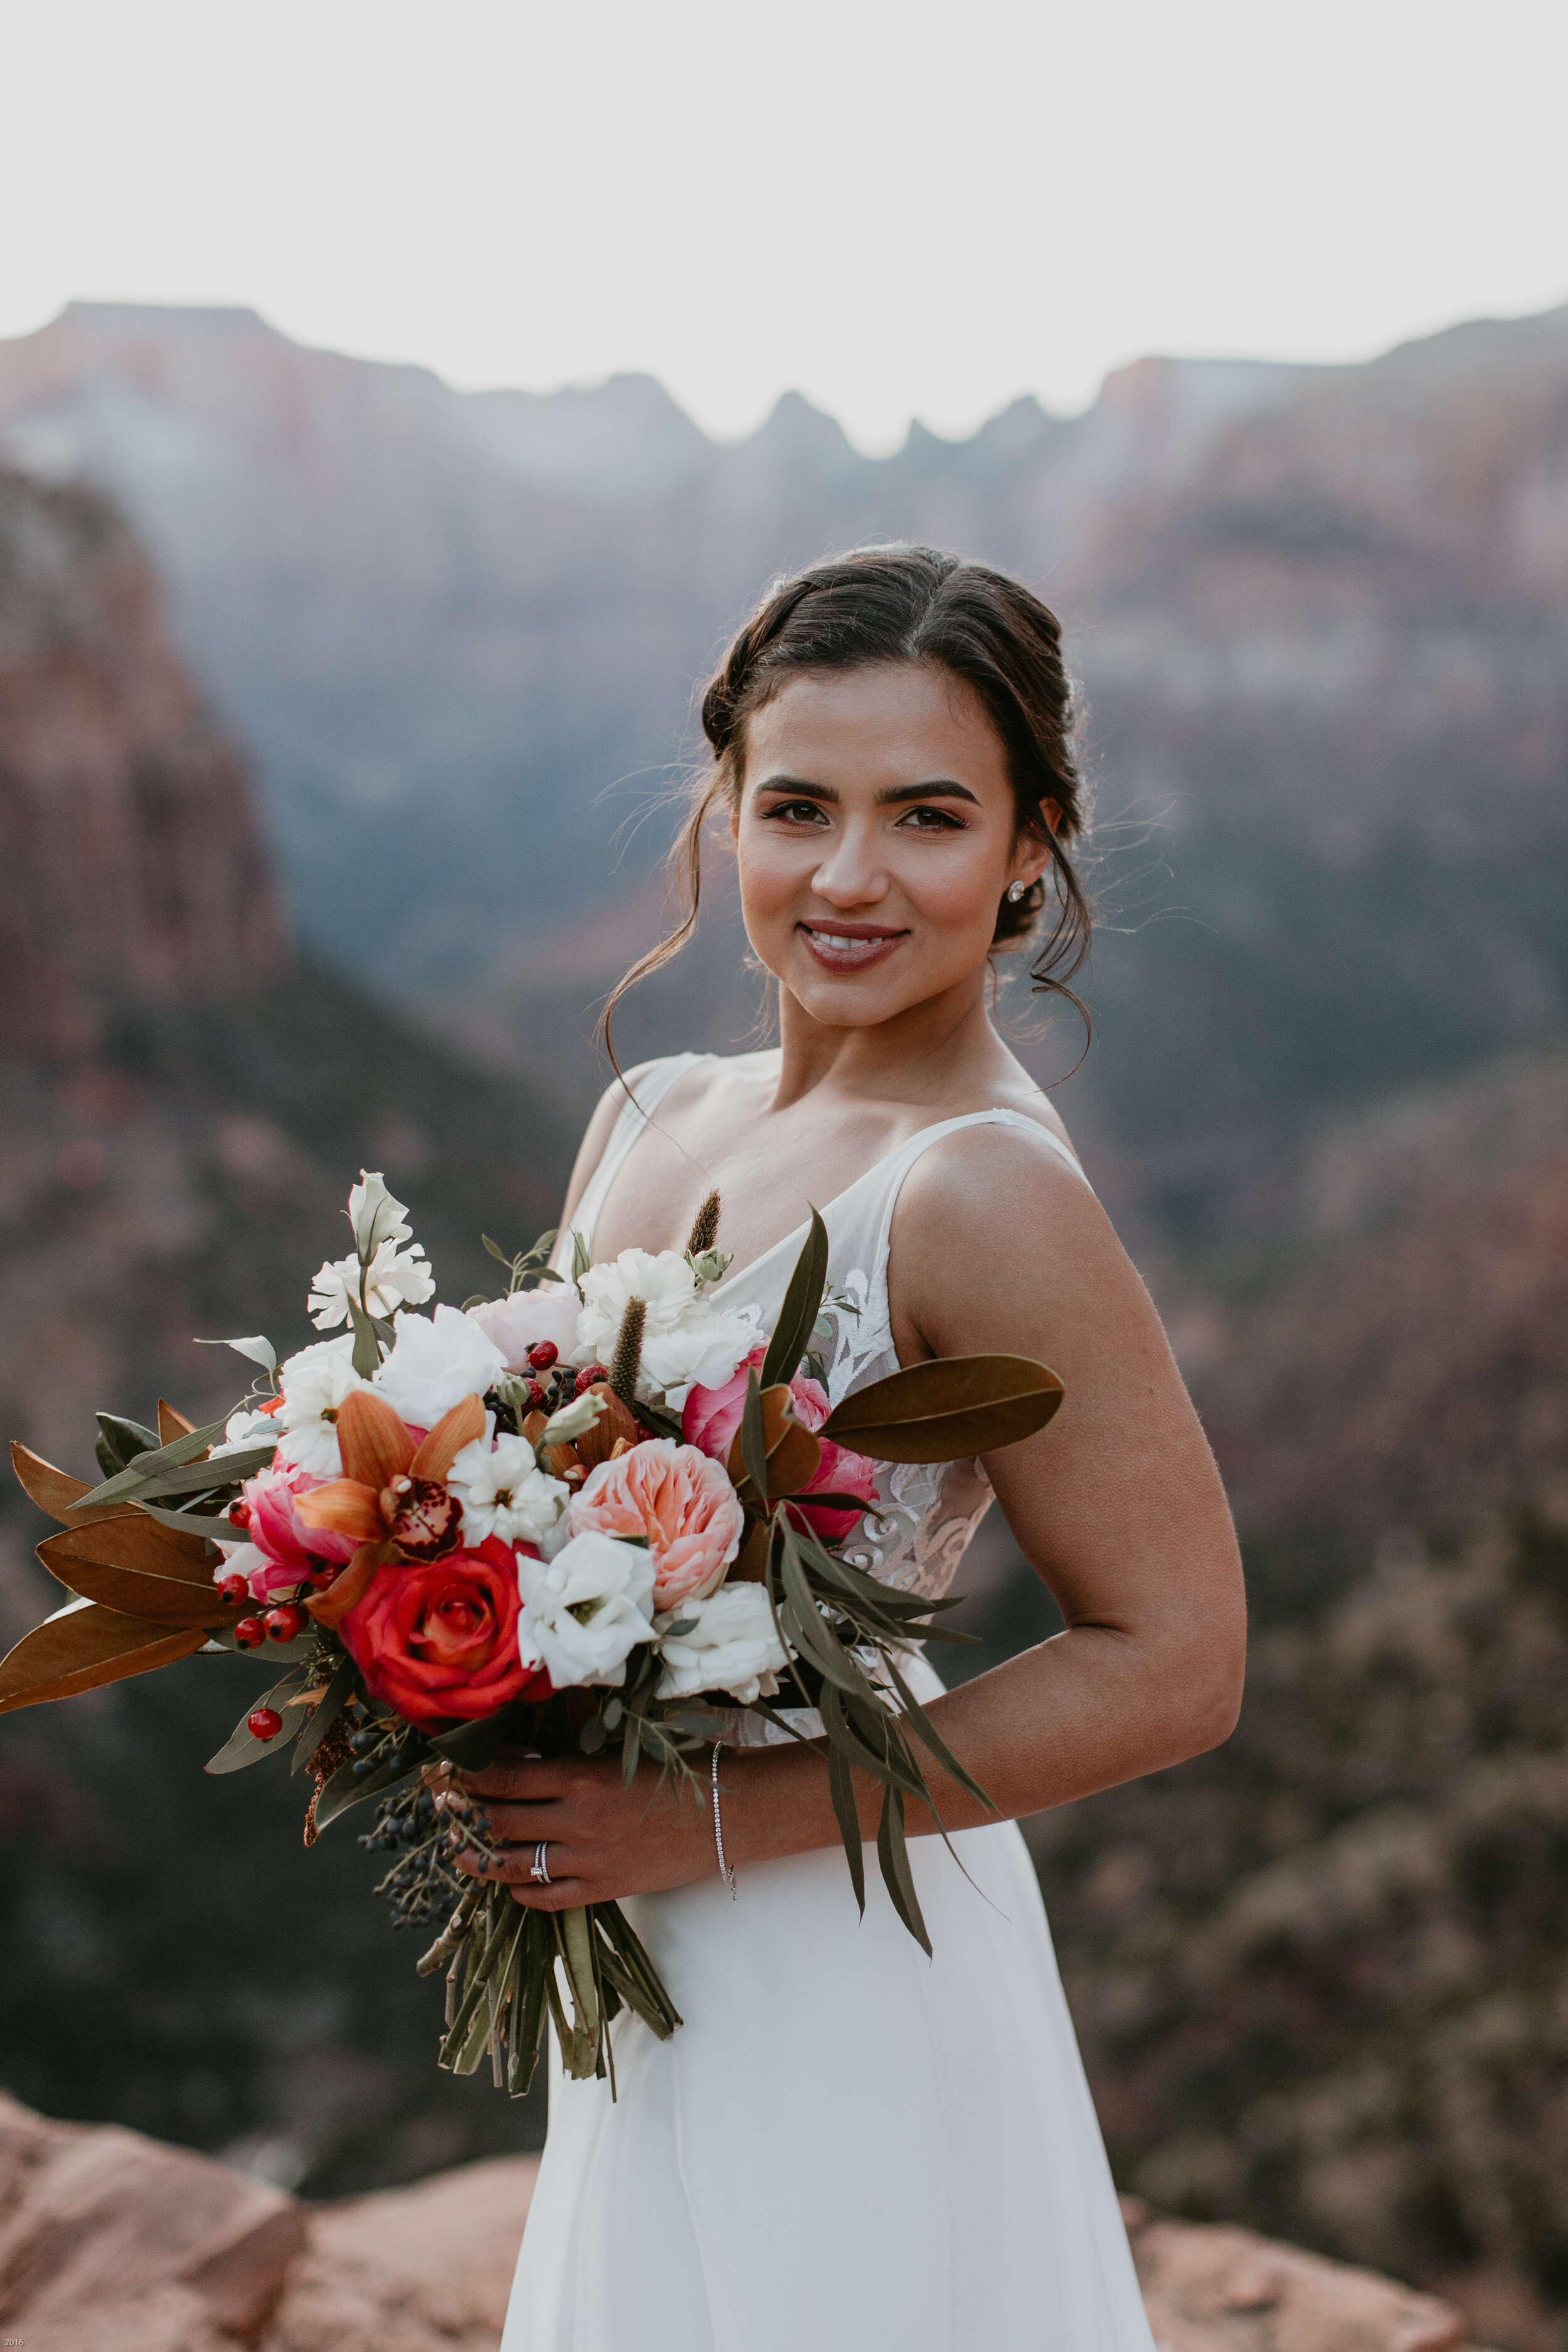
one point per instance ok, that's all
(847, 2147)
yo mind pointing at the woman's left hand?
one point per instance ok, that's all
(602, 1840)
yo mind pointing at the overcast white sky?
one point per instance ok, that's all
(899, 207)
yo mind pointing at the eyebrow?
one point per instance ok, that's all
(938, 788)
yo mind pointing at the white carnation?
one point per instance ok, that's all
(585, 1611)
(729, 1642)
(314, 1384)
(504, 1493)
(435, 1362)
(395, 1278)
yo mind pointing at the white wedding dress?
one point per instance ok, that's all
(846, 2147)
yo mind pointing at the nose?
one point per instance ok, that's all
(849, 875)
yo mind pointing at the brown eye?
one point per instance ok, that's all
(931, 820)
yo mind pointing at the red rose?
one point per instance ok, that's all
(439, 1639)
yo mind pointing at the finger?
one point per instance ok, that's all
(561, 1894)
(512, 1865)
(535, 1778)
(517, 1824)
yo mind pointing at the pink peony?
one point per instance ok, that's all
(676, 1500)
(514, 1325)
(712, 1416)
(289, 1549)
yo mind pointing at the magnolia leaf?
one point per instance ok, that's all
(947, 1409)
(130, 1539)
(802, 1305)
(259, 1351)
(119, 1442)
(56, 1491)
(170, 1424)
(160, 1600)
(81, 1648)
(156, 1463)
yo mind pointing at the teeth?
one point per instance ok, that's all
(831, 940)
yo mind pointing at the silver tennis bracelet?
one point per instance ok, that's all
(725, 1873)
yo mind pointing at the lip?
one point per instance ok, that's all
(857, 947)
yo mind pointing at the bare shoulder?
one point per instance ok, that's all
(600, 1128)
(995, 1238)
(989, 1176)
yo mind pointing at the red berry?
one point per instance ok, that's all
(535, 1395)
(250, 1633)
(543, 1354)
(322, 1575)
(239, 1515)
(589, 1374)
(282, 1625)
(233, 1590)
(264, 1723)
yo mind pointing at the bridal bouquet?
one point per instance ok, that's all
(592, 1513)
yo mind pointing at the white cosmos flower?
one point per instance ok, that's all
(394, 1279)
(585, 1611)
(731, 1645)
(504, 1493)
(314, 1384)
(686, 1340)
(435, 1363)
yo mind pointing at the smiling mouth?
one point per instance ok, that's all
(850, 947)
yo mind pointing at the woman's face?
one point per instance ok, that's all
(876, 835)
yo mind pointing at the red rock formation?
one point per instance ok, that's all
(132, 866)
(111, 2240)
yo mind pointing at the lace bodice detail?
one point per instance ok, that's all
(925, 1513)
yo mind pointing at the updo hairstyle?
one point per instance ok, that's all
(902, 603)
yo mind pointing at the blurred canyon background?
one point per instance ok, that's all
(341, 719)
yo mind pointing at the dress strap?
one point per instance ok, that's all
(897, 1165)
(642, 1099)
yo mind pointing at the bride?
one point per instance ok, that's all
(847, 2146)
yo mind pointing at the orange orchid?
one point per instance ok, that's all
(390, 1494)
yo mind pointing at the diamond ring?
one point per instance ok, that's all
(541, 1869)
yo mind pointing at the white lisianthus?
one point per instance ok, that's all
(395, 1278)
(585, 1611)
(686, 1340)
(244, 1429)
(504, 1493)
(375, 1215)
(435, 1363)
(730, 1643)
(314, 1384)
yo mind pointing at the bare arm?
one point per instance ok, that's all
(1117, 1505)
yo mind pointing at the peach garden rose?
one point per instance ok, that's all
(678, 1502)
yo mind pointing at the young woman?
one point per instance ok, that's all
(847, 2146)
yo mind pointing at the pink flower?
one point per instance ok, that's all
(713, 1415)
(516, 1324)
(289, 1549)
(675, 1499)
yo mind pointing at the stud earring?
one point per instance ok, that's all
(1016, 891)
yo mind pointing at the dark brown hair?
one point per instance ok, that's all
(881, 605)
